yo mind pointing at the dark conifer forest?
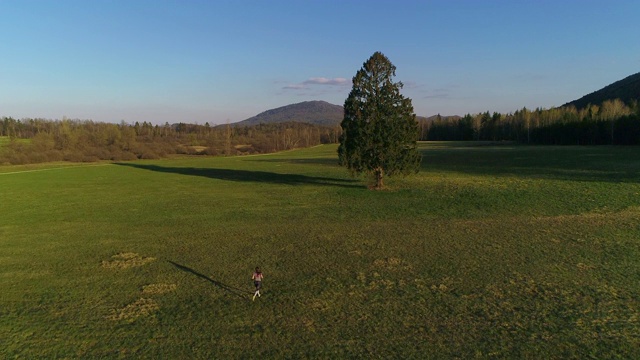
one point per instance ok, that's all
(609, 116)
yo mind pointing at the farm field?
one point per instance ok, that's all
(504, 251)
(4, 140)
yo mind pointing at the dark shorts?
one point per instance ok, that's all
(258, 284)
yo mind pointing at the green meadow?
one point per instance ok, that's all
(490, 251)
(4, 140)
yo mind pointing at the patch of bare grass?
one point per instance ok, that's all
(391, 263)
(387, 273)
(126, 260)
(141, 307)
(157, 289)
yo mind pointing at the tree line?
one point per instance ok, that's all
(43, 140)
(611, 123)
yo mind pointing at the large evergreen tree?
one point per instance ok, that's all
(379, 127)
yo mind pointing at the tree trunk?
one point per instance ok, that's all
(379, 174)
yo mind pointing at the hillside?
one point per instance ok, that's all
(627, 90)
(313, 112)
(435, 117)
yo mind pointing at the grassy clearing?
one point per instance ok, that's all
(490, 251)
(4, 140)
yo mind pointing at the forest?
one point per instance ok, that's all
(41, 140)
(611, 123)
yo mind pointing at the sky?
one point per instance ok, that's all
(221, 61)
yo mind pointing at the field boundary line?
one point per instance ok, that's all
(47, 169)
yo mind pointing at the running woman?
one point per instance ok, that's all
(257, 282)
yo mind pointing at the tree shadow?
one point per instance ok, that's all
(249, 176)
(314, 161)
(601, 164)
(231, 289)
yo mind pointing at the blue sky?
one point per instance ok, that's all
(224, 61)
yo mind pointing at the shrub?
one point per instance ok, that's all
(90, 158)
(128, 156)
(73, 156)
(211, 151)
(149, 155)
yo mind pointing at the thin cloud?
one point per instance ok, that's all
(411, 85)
(436, 96)
(439, 93)
(294, 87)
(325, 81)
(444, 91)
(311, 82)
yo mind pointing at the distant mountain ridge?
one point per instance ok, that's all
(435, 117)
(627, 90)
(313, 112)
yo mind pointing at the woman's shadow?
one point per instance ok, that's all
(231, 289)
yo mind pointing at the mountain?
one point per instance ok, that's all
(627, 90)
(313, 112)
(435, 117)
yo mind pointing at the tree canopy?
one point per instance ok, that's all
(379, 127)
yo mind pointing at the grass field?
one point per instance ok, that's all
(490, 251)
(4, 140)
